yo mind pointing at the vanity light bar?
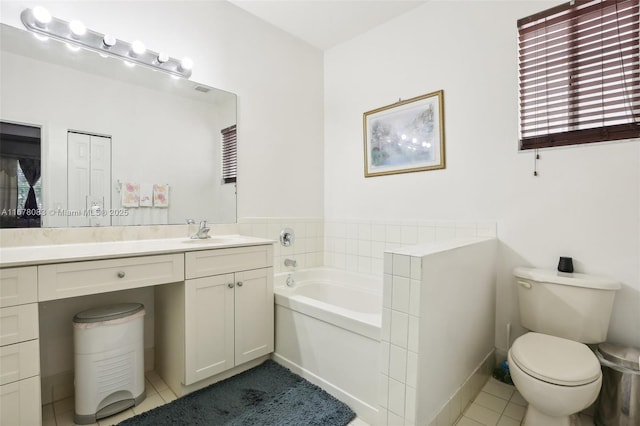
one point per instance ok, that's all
(103, 43)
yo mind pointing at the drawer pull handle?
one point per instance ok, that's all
(230, 285)
(121, 274)
(239, 283)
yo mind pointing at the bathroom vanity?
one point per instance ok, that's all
(213, 307)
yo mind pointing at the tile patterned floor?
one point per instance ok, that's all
(499, 404)
(60, 413)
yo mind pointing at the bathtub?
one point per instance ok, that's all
(328, 326)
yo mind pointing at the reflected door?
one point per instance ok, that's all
(88, 180)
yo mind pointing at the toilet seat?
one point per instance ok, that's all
(555, 360)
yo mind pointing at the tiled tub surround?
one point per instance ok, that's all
(307, 248)
(437, 329)
(355, 245)
(359, 245)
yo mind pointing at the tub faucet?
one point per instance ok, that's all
(290, 262)
(203, 232)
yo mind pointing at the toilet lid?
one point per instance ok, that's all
(555, 360)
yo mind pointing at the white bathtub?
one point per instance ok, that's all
(328, 327)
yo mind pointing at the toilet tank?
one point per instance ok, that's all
(574, 306)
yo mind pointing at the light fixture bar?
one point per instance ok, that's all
(59, 29)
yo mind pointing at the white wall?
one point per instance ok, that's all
(583, 204)
(278, 80)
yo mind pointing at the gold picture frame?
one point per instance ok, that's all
(405, 137)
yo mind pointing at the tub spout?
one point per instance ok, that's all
(290, 281)
(290, 262)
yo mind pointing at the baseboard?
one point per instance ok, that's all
(366, 412)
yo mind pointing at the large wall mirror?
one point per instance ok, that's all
(117, 144)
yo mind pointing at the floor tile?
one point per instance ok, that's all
(482, 415)
(491, 402)
(149, 403)
(358, 422)
(466, 421)
(508, 421)
(167, 395)
(518, 399)
(156, 380)
(499, 389)
(63, 405)
(514, 411)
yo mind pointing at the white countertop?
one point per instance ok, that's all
(58, 253)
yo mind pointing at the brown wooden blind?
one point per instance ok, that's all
(229, 154)
(579, 68)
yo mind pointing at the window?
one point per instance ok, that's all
(579, 70)
(229, 154)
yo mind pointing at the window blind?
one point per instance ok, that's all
(579, 74)
(229, 154)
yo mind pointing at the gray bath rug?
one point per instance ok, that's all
(268, 394)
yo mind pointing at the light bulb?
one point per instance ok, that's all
(42, 16)
(108, 41)
(77, 28)
(162, 57)
(186, 63)
(138, 47)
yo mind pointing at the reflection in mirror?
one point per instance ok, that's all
(119, 145)
(20, 183)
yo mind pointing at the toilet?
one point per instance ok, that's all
(551, 366)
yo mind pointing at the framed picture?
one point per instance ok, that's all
(404, 137)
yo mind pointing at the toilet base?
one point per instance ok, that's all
(535, 417)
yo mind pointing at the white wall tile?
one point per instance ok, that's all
(364, 248)
(410, 405)
(383, 391)
(385, 332)
(384, 357)
(387, 290)
(409, 235)
(378, 232)
(396, 398)
(416, 268)
(399, 328)
(388, 263)
(401, 294)
(393, 233)
(364, 231)
(402, 265)
(377, 249)
(412, 369)
(413, 334)
(398, 363)
(414, 298)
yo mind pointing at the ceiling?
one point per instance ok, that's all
(327, 23)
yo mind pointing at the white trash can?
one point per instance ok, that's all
(108, 360)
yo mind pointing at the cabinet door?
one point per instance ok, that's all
(20, 403)
(253, 314)
(208, 326)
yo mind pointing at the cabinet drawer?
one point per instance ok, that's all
(19, 361)
(222, 261)
(18, 286)
(18, 323)
(81, 278)
(20, 403)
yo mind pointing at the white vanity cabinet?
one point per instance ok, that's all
(19, 347)
(225, 320)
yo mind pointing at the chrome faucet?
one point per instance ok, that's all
(290, 262)
(203, 232)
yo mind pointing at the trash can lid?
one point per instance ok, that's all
(107, 313)
(624, 356)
